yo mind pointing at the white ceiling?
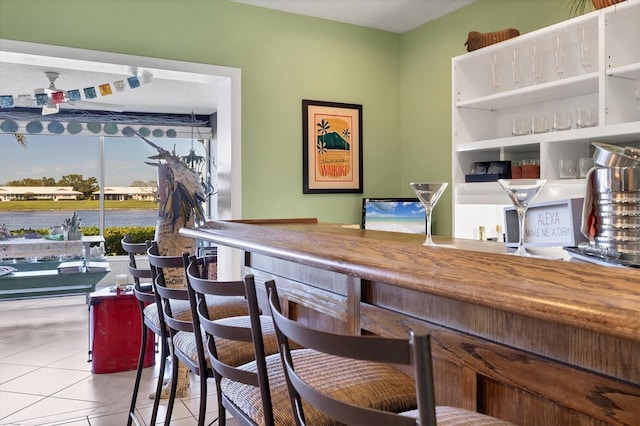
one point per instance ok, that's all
(396, 16)
(182, 93)
(168, 92)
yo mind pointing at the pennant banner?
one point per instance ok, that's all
(44, 99)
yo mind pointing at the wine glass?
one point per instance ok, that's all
(585, 47)
(537, 56)
(495, 70)
(516, 64)
(429, 193)
(521, 192)
(560, 52)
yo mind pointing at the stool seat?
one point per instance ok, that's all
(230, 352)
(377, 386)
(454, 416)
(218, 307)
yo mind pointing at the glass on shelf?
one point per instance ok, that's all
(562, 120)
(539, 124)
(530, 168)
(586, 117)
(536, 54)
(516, 169)
(520, 126)
(560, 45)
(568, 168)
(496, 72)
(515, 53)
(586, 46)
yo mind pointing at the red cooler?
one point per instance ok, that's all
(114, 332)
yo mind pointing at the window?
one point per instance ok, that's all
(73, 165)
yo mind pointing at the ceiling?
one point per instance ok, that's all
(167, 92)
(396, 16)
(183, 93)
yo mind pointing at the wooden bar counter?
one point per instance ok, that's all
(534, 341)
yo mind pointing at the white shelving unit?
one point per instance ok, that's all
(482, 115)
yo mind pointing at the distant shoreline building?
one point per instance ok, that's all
(122, 193)
(55, 193)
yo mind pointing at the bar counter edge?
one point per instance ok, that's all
(560, 338)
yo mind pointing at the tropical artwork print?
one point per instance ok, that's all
(333, 147)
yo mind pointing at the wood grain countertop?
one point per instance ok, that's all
(593, 297)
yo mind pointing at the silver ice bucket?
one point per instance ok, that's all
(611, 213)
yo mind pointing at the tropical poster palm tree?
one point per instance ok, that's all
(332, 147)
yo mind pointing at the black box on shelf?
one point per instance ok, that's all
(489, 171)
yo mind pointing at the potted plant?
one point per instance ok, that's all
(578, 7)
(72, 227)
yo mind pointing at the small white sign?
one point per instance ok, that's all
(547, 224)
(550, 224)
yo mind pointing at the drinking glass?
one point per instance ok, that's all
(539, 124)
(520, 126)
(495, 71)
(537, 56)
(560, 52)
(521, 192)
(584, 165)
(516, 64)
(429, 193)
(585, 47)
(562, 120)
(568, 168)
(586, 117)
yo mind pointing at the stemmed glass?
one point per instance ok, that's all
(495, 70)
(560, 52)
(585, 47)
(521, 192)
(537, 56)
(516, 64)
(429, 193)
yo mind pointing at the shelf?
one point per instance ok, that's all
(558, 89)
(482, 120)
(492, 193)
(613, 133)
(631, 72)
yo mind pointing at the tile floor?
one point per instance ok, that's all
(45, 378)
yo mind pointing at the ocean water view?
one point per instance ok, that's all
(15, 220)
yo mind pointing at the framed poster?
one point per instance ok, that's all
(332, 147)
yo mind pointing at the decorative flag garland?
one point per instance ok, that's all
(62, 96)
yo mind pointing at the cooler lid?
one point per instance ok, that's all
(607, 155)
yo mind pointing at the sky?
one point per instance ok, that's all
(58, 155)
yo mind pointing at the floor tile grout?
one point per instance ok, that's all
(106, 396)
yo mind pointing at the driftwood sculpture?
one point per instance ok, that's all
(181, 197)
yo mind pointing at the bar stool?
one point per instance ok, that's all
(150, 320)
(256, 393)
(224, 347)
(175, 308)
(312, 398)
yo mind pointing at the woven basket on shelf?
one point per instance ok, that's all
(600, 4)
(476, 40)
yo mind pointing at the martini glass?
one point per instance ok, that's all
(521, 192)
(428, 193)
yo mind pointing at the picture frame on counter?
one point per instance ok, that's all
(331, 147)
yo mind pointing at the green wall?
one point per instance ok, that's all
(402, 81)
